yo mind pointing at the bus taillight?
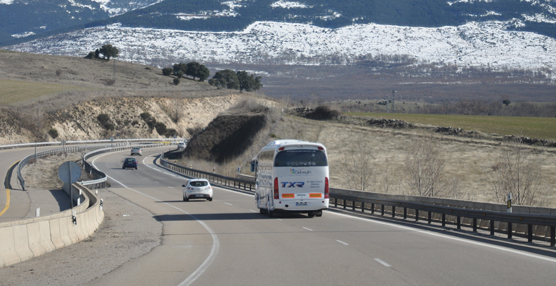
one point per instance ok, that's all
(276, 192)
(326, 191)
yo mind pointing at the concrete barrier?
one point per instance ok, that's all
(25, 239)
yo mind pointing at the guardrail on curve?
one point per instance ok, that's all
(497, 221)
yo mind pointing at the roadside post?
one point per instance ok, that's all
(509, 202)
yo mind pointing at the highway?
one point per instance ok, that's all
(227, 242)
(19, 202)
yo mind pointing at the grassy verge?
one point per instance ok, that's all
(534, 127)
(13, 91)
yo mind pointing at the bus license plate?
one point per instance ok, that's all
(200, 196)
(300, 203)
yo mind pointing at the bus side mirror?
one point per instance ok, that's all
(183, 186)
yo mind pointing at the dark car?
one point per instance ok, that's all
(130, 163)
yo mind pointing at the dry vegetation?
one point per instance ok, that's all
(39, 92)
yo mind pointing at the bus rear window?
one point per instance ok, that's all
(300, 158)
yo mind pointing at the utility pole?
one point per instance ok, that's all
(393, 91)
(114, 71)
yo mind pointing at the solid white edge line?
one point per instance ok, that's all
(382, 262)
(215, 242)
(452, 238)
(229, 204)
(307, 228)
(344, 243)
(252, 211)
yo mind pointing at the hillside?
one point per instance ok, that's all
(19, 19)
(39, 92)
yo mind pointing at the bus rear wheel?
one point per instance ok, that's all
(311, 214)
(318, 213)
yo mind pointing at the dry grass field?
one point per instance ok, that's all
(534, 127)
(468, 162)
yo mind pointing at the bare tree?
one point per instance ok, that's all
(514, 172)
(424, 169)
(357, 166)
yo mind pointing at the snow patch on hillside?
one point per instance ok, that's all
(288, 4)
(6, 2)
(475, 44)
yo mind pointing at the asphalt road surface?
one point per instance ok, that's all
(227, 242)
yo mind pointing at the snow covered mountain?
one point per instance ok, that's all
(490, 34)
(24, 18)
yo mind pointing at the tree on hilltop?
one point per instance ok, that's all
(225, 79)
(109, 51)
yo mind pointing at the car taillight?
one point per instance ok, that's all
(276, 192)
(326, 191)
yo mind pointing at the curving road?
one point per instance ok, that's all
(227, 242)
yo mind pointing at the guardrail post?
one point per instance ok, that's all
(509, 230)
(491, 227)
(474, 224)
(530, 233)
(382, 210)
(458, 222)
(345, 204)
(430, 217)
(393, 211)
(416, 215)
(552, 235)
(443, 220)
(372, 208)
(335, 202)
(404, 212)
(353, 206)
(362, 207)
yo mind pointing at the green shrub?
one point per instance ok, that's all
(170, 132)
(167, 71)
(105, 121)
(160, 128)
(176, 81)
(53, 133)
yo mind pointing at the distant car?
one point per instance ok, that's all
(197, 189)
(136, 150)
(181, 145)
(130, 163)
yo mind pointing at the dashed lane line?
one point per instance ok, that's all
(382, 262)
(344, 243)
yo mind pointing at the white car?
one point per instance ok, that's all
(197, 189)
(136, 150)
(181, 145)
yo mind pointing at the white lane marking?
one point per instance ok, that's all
(215, 242)
(382, 262)
(307, 228)
(452, 238)
(344, 243)
(252, 211)
(229, 204)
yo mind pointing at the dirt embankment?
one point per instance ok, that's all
(80, 122)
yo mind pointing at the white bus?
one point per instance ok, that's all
(291, 176)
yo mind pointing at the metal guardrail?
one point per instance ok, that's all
(99, 177)
(247, 185)
(496, 221)
(452, 215)
(116, 142)
(59, 143)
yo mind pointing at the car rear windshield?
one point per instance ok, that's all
(198, 183)
(130, 160)
(297, 158)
